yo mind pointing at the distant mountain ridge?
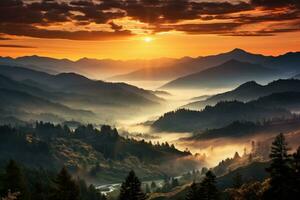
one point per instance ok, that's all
(73, 90)
(228, 74)
(240, 129)
(26, 105)
(222, 114)
(287, 64)
(186, 66)
(93, 68)
(249, 91)
(155, 69)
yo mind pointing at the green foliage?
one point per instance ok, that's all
(131, 188)
(208, 187)
(280, 169)
(284, 177)
(86, 149)
(284, 181)
(296, 172)
(38, 184)
(222, 114)
(193, 192)
(14, 181)
(39, 139)
(65, 187)
(206, 190)
(248, 191)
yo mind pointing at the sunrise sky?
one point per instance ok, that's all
(130, 29)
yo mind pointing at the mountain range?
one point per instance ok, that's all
(247, 92)
(92, 68)
(239, 129)
(222, 114)
(166, 69)
(99, 154)
(228, 74)
(108, 100)
(287, 64)
(187, 65)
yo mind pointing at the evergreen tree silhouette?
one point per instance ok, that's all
(193, 193)
(65, 187)
(280, 170)
(131, 188)
(208, 189)
(296, 172)
(14, 181)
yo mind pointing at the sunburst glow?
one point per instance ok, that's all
(148, 39)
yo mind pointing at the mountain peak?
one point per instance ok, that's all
(249, 84)
(70, 75)
(238, 50)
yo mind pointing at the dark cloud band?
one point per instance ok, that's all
(33, 18)
(15, 46)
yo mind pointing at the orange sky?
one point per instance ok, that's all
(167, 45)
(113, 29)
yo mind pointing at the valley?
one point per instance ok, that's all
(100, 130)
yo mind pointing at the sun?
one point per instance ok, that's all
(148, 39)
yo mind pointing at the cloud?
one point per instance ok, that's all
(4, 38)
(14, 46)
(32, 31)
(37, 18)
(212, 28)
(275, 3)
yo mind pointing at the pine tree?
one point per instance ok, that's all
(131, 188)
(280, 170)
(14, 181)
(193, 193)
(65, 187)
(296, 172)
(208, 189)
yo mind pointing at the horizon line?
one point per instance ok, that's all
(145, 59)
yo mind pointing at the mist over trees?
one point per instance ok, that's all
(131, 188)
(19, 182)
(86, 150)
(283, 182)
(205, 190)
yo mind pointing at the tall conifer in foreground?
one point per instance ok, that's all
(131, 188)
(14, 181)
(193, 193)
(280, 170)
(296, 172)
(208, 189)
(65, 187)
